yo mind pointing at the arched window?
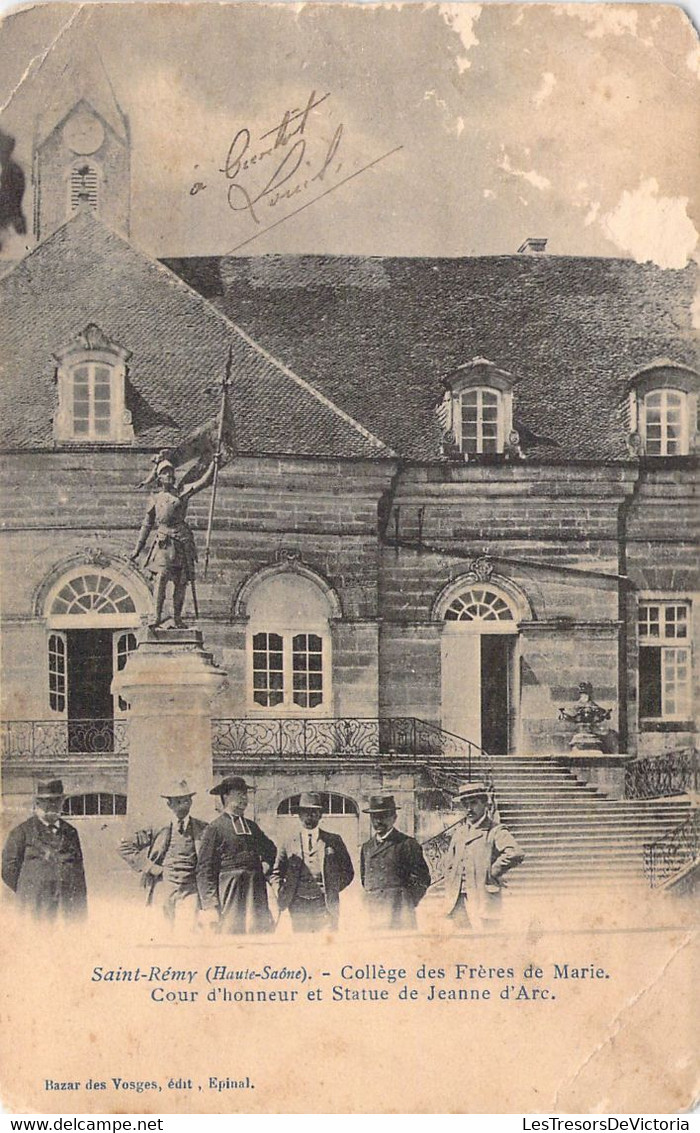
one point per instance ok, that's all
(480, 604)
(91, 379)
(92, 593)
(664, 423)
(332, 804)
(289, 645)
(482, 427)
(663, 406)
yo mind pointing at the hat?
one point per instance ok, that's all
(49, 789)
(311, 800)
(472, 791)
(178, 789)
(162, 465)
(380, 803)
(231, 783)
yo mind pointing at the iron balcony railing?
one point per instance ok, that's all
(667, 857)
(46, 739)
(345, 737)
(662, 776)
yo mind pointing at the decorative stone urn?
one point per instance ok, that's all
(588, 716)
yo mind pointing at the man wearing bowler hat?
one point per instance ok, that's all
(231, 867)
(166, 857)
(480, 854)
(42, 862)
(394, 873)
(311, 869)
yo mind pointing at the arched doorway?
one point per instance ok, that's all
(92, 618)
(479, 657)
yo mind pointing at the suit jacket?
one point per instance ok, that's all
(395, 879)
(230, 875)
(336, 870)
(146, 850)
(479, 856)
(45, 870)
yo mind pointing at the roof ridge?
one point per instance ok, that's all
(309, 388)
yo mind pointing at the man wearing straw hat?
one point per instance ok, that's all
(166, 858)
(480, 854)
(395, 876)
(312, 868)
(42, 862)
(233, 862)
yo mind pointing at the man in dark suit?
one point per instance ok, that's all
(394, 872)
(230, 870)
(42, 862)
(311, 869)
(166, 857)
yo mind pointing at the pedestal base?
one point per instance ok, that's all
(169, 682)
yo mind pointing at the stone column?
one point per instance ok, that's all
(169, 682)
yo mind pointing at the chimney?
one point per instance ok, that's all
(533, 246)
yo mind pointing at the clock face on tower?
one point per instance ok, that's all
(83, 133)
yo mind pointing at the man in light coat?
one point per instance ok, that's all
(166, 856)
(311, 869)
(395, 876)
(480, 854)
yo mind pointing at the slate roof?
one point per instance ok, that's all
(85, 273)
(379, 335)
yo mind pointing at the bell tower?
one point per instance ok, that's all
(81, 146)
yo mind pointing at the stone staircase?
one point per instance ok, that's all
(572, 835)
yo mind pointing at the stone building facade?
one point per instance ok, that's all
(459, 489)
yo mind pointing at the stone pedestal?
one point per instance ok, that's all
(604, 771)
(586, 740)
(169, 682)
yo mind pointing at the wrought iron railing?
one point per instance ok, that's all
(675, 773)
(342, 737)
(667, 857)
(46, 739)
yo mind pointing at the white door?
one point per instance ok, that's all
(461, 684)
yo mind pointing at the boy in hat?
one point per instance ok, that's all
(311, 869)
(167, 857)
(42, 862)
(394, 873)
(480, 854)
(230, 871)
(173, 554)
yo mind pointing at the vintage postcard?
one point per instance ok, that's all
(350, 625)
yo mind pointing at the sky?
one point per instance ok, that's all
(436, 130)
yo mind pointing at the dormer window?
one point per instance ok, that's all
(476, 412)
(482, 421)
(91, 377)
(663, 410)
(664, 423)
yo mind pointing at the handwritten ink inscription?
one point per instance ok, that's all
(296, 161)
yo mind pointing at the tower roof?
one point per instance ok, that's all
(71, 71)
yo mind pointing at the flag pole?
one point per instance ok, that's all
(225, 382)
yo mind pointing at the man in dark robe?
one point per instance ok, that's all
(394, 872)
(231, 874)
(42, 862)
